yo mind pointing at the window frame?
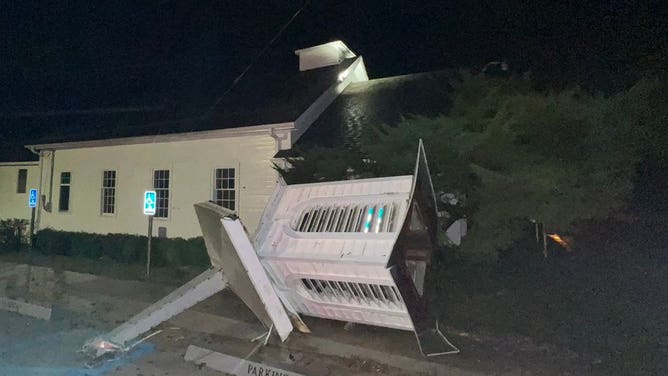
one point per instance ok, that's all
(22, 188)
(69, 192)
(105, 189)
(158, 194)
(215, 189)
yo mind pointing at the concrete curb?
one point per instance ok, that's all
(25, 308)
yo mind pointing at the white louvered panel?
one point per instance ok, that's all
(385, 297)
(354, 314)
(292, 270)
(327, 246)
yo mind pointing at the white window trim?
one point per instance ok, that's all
(170, 190)
(102, 213)
(69, 198)
(212, 185)
(18, 181)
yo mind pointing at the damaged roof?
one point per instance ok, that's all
(376, 102)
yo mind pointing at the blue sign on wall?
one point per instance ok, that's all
(32, 199)
(149, 202)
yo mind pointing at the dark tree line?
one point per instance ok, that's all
(513, 153)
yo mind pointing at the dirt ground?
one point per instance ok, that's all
(598, 310)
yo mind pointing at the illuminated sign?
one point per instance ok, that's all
(32, 199)
(149, 202)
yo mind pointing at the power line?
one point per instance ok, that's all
(92, 111)
(264, 49)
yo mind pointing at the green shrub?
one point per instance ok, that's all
(12, 233)
(123, 248)
(85, 245)
(196, 254)
(127, 248)
(179, 251)
(50, 242)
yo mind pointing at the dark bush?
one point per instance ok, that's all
(127, 248)
(50, 242)
(85, 245)
(123, 248)
(12, 233)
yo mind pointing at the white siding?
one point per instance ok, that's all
(12, 204)
(191, 164)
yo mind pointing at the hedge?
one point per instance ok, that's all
(123, 248)
(13, 234)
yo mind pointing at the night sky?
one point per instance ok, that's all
(62, 55)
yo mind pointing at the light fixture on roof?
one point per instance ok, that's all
(323, 55)
(343, 75)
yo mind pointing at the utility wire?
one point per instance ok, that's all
(255, 59)
(91, 111)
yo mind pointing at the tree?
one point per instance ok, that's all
(515, 153)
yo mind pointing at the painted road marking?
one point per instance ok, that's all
(231, 364)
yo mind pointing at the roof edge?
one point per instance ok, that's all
(355, 181)
(323, 55)
(169, 137)
(19, 163)
(335, 43)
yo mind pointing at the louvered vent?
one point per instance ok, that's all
(348, 218)
(345, 292)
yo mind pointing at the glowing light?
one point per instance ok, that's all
(561, 241)
(104, 345)
(369, 216)
(381, 211)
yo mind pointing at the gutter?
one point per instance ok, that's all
(42, 197)
(18, 164)
(170, 137)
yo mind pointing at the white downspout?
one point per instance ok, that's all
(40, 201)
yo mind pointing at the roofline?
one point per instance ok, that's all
(348, 52)
(354, 181)
(169, 137)
(25, 163)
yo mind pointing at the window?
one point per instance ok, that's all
(224, 193)
(22, 180)
(161, 187)
(108, 202)
(64, 198)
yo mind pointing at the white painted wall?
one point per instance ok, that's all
(12, 204)
(191, 164)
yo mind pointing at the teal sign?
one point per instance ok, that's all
(149, 202)
(32, 199)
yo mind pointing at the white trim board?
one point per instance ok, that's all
(231, 364)
(169, 137)
(19, 164)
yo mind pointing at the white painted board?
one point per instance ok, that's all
(229, 248)
(231, 364)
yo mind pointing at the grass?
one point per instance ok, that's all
(103, 266)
